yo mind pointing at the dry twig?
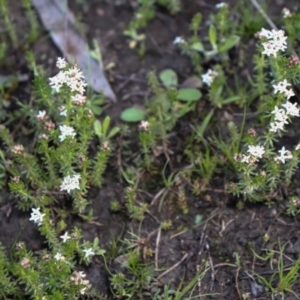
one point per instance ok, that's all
(173, 267)
(265, 16)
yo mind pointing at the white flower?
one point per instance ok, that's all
(279, 40)
(58, 256)
(77, 277)
(265, 33)
(256, 151)
(41, 115)
(75, 80)
(269, 49)
(57, 81)
(36, 216)
(220, 5)
(25, 262)
(70, 183)
(81, 274)
(72, 77)
(61, 63)
(275, 126)
(75, 73)
(178, 40)
(78, 99)
(289, 94)
(297, 146)
(245, 159)
(277, 110)
(284, 154)
(286, 13)
(65, 237)
(209, 77)
(276, 41)
(280, 115)
(88, 252)
(281, 86)
(66, 131)
(63, 111)
(291, 109)
(144, 125)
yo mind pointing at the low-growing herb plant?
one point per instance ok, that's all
(283, 277)
(145, 12)
(221, 35)
(50, 274)
(57, 165)
(264, 166)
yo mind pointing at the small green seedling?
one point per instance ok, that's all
(101, 130)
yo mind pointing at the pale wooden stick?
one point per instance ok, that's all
(261, 11)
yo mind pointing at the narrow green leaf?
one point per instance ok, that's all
(204, 124)
(213, 36)
(126, 177)
(105, 126)
(229, 43)
(231, 99)
(113, 132)
(96, 243)
(98, 128)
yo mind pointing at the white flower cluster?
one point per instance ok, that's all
(281, 87)
(36, 216)
(65, 132)
(78, 99)
(78, 279)
(209, 77)
(70, 183)
(255, 152)
(281, 115)
(61, 63)
(71, 76)
(276, 41)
